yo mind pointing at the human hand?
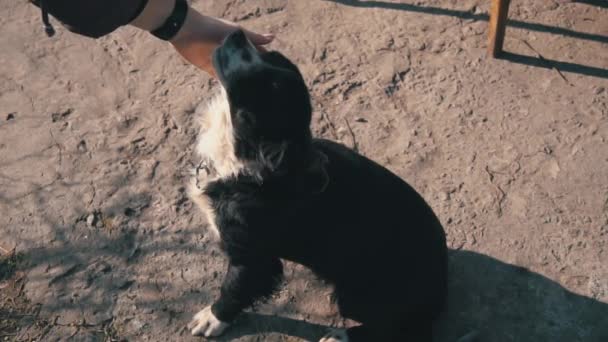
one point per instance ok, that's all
(201, 34)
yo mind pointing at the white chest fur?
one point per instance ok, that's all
(215, 144)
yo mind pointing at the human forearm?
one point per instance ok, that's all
(194, 38)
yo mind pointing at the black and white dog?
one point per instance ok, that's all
(272, 192)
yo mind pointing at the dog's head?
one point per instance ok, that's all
(269, 101)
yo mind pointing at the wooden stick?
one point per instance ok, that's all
(352, 135)
(499, 14)
(332, 127)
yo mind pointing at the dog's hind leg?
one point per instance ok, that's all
(244, 284)
(381, 320)
(388, 332)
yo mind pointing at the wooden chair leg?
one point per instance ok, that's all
(498, 23)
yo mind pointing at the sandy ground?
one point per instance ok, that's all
(96, 141)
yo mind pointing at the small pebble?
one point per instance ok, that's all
(82, 146)
(444, 196)
(91, 220)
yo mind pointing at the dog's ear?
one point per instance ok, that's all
(314, 179)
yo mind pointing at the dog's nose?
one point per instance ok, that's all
(236, 39)
(235, 53)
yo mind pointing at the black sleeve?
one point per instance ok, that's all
(93, 18)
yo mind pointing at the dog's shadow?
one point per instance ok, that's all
(251, 324)
(510, 303)
(502, 302)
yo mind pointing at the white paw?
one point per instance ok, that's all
(205, 323)
(336, 335)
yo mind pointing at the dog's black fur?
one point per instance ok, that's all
(320, 204)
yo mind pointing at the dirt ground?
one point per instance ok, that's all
(100, 243)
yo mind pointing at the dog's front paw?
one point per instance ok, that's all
(336, 335)
(205, 323)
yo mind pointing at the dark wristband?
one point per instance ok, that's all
(174, 23)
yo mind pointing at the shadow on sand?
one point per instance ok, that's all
(503, 302)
